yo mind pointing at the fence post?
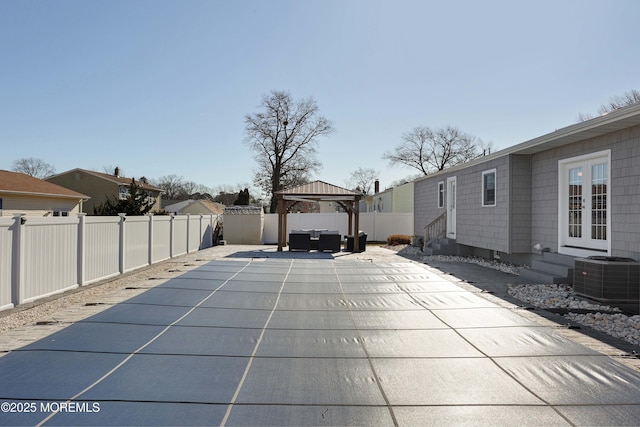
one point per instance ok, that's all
(17, 268)
(214, 224)
(81, 247)
(121, 257)
(150, 238)
(188, 230)
(171, 234)
(375, 227)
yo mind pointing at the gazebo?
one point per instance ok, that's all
(318, 191)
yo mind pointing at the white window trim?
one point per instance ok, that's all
(123, 192)
(495, 189)
(440, 191)
(562, 194)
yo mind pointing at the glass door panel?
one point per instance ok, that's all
(599, 201)
(575, 202)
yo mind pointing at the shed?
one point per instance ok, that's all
(243, 225)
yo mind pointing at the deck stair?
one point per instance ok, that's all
(441, 246)
(435, 240)
(552, 268)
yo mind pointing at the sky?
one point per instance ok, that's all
(161, 87)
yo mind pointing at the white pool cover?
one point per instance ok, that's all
(312, 342)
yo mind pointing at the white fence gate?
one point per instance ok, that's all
(42, 256)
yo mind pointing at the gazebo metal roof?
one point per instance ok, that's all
(319, 190)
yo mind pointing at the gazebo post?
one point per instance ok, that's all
(356, 231)
(284, 222)
(280, 220)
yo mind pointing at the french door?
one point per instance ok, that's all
(451, 207)
(585, 203)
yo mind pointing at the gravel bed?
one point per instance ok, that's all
(31, 313)
(607, 319)
(555, 296)
(618, 325)
(412, 251)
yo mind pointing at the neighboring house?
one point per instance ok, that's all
(575, 191)
(195, 207)
(393, 200)
(102, 187)
(20, 193)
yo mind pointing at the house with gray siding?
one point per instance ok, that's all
(573, 192)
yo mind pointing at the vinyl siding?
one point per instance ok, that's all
(624, 185)
(526, 210)
(403, 198)
(425, 201)
(36, 206)
(520, 204)
(478, 226)
(100, 190)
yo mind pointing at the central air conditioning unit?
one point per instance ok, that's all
(607, 279)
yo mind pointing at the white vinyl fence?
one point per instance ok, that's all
(377, 225)
(42, 256)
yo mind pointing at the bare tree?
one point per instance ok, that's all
(614, 103)
(171, 185)
(31, 166)
(189, 188)
(362, 179)
(283, 137)
(431, 150)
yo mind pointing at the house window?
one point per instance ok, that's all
(489, 188)
(441, 194)
(60, 213)
(123, 192)
(0, 202)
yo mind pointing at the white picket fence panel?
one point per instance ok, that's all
(48, 257)
(101, 245)
(377, 225)
(42, 256)
(161, 236)
(6, 260)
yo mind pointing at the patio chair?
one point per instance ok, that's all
(329, 241)
(299, 241)
(362, 243)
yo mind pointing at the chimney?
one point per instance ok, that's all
(376, 187)
(116, 172)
